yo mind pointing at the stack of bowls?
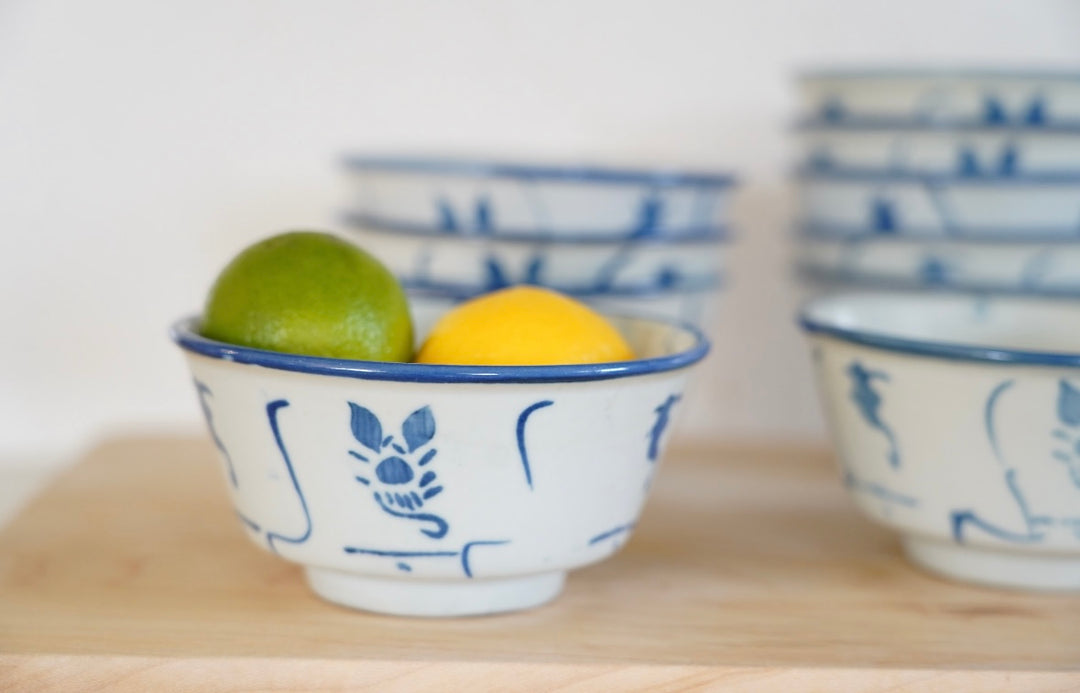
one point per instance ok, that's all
(963, 180)
(631, 242)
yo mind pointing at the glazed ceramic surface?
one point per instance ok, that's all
(963, 97)
(1052, 268)
(440, 490)
(482, 264)
(511, 200)
(941, 151)
(984, 207)
(957, 423)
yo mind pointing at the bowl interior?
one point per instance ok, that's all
(998, 325)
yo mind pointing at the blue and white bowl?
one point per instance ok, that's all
(957, 424)
(948, 206)
(1009, 267)
(481, 198)
(478, 264)
(969, 152)
(975, 97)
(437, 490)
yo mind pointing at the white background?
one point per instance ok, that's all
(143, 143)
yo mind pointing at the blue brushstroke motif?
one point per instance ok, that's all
(419, 428)
(366, 428)
(208, 414)
(613, 532)
(1068, 404)
(462, 555)
(447, 220)
(879, 491)
(882, 216)
(868, 402)
(465, 567)
(523, 419)
(663, 418)
(272, 410)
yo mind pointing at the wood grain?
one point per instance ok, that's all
(749, 568)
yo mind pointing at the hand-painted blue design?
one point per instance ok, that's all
(523, 419)
(1035, 524)
(249, 523)
(448, 221)
(272, 415)
(821, 159)
(878, 491)
(649, 216)
(883, 215)
(934, 271)
(463, 555)
(868, 402)
(394, 480)
(663, 418)
(208, 414)
(496, 276)
(994, 111)
(484, 223)
(1007, 163)
(613, 532)
(832, 109)
(1036, 112)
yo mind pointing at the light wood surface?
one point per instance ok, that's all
(749, 569)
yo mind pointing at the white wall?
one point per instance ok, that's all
(143, 143)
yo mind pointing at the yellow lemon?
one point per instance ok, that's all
(310, 293)
(523, 326)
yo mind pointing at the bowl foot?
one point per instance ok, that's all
(420, 597)
(995, 567)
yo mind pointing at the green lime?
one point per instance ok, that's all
(310, 293)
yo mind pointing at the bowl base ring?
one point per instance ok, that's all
(995, 567)
(445, 598)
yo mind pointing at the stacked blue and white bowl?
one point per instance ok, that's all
(964, 180)
(631, 242)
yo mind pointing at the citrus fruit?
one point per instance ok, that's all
(523, 326)
(310, 293)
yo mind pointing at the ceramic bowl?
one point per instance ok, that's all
(436, 490)
(696, 307)
(422, 259)
(1013, 267)
(484, 198)
(940, 151)
(958, 97)
(957, 423)
(983, 207)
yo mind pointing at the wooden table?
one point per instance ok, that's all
(749, 569)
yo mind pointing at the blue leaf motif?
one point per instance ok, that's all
(1068, 404)
(419, 428)
(366, 427)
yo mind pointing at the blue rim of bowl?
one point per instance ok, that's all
(918, 347)
(503, 169)
(456, 291)
(855, 235)
(957, 126)
(885, 176)
(816, 273)
(938, 72)
(370, 222)
(185, 334)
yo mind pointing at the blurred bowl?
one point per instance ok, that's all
(436, 490)
(941, 151)
(984, 207)
(535, 202)
(904, 97)
(1016, 267)
(478, 264)
(957, 423)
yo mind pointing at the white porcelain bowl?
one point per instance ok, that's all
(957, 423)
(940, 151)
(984, 207)
(422, 259)
(1015, 267)
(967, 97)
(693, 307)
(468, 197)
(436, 490)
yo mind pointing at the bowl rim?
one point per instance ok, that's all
(938, 72)
(812, 175)
(702, 236)
(184, 332)
(493, 168)
(952, 351)
(970, 238)
(886, 125)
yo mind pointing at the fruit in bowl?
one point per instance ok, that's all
(438, 489)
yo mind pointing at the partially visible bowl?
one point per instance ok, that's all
(1010, 267)
(485, 198)
(1027, 98)
(426, 259)
(984, 207)
(957, 423)
(438, 490)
